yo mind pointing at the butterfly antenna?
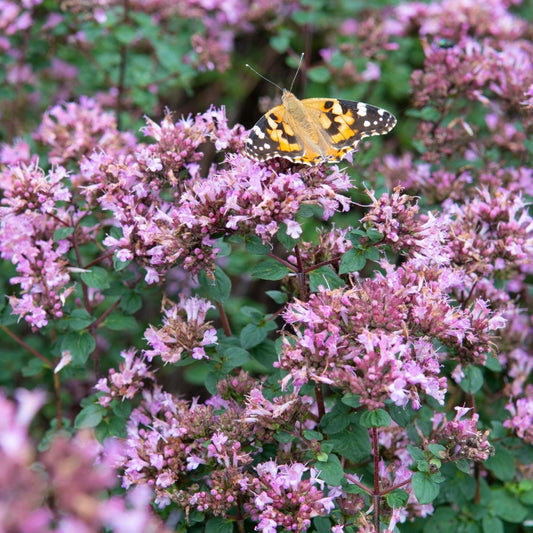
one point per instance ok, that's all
(297, 70)
(261, 76)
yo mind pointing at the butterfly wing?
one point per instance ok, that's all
(273, 136)
(345, 122)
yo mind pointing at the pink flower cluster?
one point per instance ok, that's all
(461, 437)
(133, 376)
(375, 339)
(63, 488)
(240, 197)
(34, 206)
(285, 498)
(184, 331)
(521, 410)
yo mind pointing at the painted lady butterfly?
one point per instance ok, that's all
(315, 130)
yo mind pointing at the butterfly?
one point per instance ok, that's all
(315, 130)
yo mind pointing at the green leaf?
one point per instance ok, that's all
(326, 277)
(424, 487)
(62, 233)
(492, 524)
(117, 322)
(283, 437)
(125, 34)
(233, 357)
(375, 419)
(322, 524)
(331, 471)
(372, 254)
(79, 319)
(353, 443)
(397, 498)
(463, 465)
(131, 302)
(437, 450)
(310, 434)
(337, 419)
(218, 525)
(255, 245)
(279, 297)
(218, 289)
(352, 261)
(97, 277)
(443, 520)
(507, 506)
(319, 74)
(374, 235)
(493, 363)
(90, 416)
(401, 415)
(287, 241)
(502, 463)
(416, 453)
(34, 367)
(80, 346)
(281, 42)
(269, 269)
(119, 265)
(252, 335)
(473, 380)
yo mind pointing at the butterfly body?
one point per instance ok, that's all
(315, 130)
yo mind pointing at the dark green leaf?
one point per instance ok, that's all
(473, 380)
(80, 345)
(97, 278)
(493, 363)
(283, 437)
(319, 74)
(218, 525)
(492, 524)
(62, 233)
(337, 419)
(255, 245)
(424, 487)
(331, 471)
(501, 464)
(443, 520)
(351, 400)
(309, 434)
(79, 319)
(401, 415)
(119, 265)
(353, 443)
(131, 302)
(372, 254)
(322, 524)
(326, 277)
(117, 322)
(252, 335)
(397, 498)
(463, 465)
(90, 416)
(437, 450)
(269, 269)
(233, 357)
(375, 419)
(218, 289)
(352, 261)
(507, 506)
(287, 241)
(279, 297)
(416, 453)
